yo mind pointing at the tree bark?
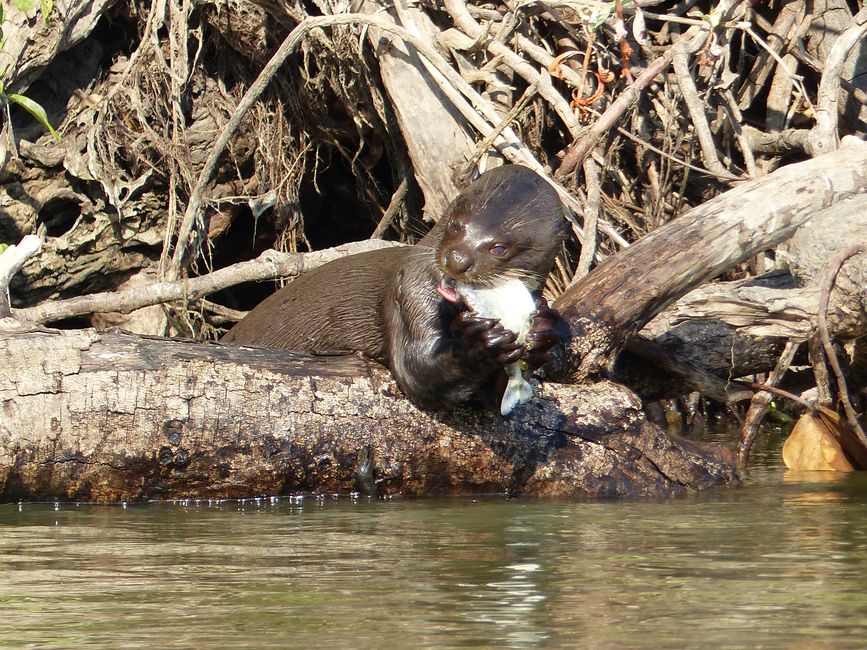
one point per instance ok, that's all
(733, 329)
(607, 307)
(114, 417)
(436, 137)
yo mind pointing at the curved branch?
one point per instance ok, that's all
(268, 266)
(11, 261)
(823, 138)
(822, 323)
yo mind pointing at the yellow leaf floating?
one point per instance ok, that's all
(821, 441)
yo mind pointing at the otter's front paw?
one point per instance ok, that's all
(487, 338)
(543, 334)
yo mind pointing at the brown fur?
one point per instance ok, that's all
(384, 303)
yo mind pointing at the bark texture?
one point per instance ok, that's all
(114, 417)
(611, 304)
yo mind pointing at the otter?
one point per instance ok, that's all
(399, 306)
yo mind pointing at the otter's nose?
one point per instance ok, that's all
(457, 262)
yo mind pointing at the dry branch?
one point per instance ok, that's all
(822, 323)
(270, 265)
(823, 137)
(759, 405)
(11, 261)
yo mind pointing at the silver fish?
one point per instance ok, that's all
(512, 303)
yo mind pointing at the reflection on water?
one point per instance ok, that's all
(780, 562)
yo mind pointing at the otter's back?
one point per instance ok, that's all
(334, 307)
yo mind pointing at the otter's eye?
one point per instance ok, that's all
(499, 250)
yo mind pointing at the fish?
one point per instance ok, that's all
(511, 302)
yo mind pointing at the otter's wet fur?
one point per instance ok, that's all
(386, 304)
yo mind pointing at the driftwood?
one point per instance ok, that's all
(615, 301)
(114, 417)
(739, 328)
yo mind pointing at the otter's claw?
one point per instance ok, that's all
(487, 337)
(543, 334)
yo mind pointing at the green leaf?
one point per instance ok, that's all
(3, 247)
(24, 5)
(46, 6)
(35, 110)
(602, 14)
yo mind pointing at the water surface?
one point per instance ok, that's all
(778, 563)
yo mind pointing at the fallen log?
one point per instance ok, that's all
(735, 329)
(609, 306)
(114, 417)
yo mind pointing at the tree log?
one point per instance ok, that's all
(113, 417)
(738, 328)
(610, 305)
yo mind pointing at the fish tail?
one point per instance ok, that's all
(518, 390)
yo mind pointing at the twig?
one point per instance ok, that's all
(775, 390)
(777, 41)
(583, 147)
(11, 261)
(489, 139)
(806, 58)
(694, 36)
(391, 211)
(725, 176)
(822, 324)
(224, 314)
(776, 143)
(465, 22)
(759, 403)
(542, 57)
(269, 265)
(736, 118)
(780, 98)
(820, 371)
(591, 214)
(680, 53)
(622, 41)
(692, 22)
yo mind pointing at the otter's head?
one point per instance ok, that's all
(508, 223)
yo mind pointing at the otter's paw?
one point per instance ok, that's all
(487, 338)
(543, 334)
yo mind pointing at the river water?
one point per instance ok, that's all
(780, 562)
